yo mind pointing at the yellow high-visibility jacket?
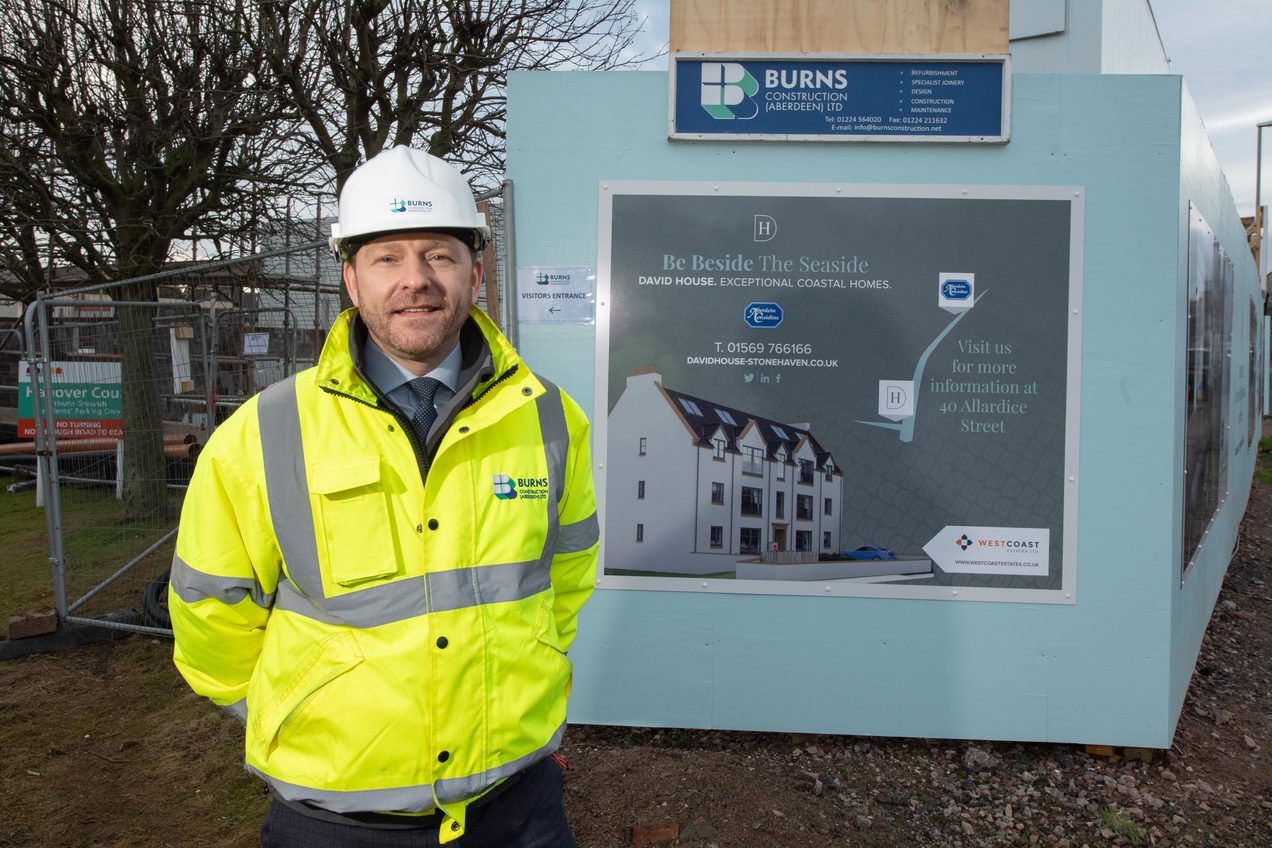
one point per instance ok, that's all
(389, 618)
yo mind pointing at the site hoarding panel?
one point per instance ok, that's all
(840, 389)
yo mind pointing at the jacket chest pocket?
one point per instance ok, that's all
(351, 511)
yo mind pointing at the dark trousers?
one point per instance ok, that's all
(528, 814)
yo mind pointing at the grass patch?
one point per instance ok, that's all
(1122, 825)
(96, 542)
(27, 581)
(1263, 464)
(106, 746)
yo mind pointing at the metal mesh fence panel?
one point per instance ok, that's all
(126, 382)
(122, 383)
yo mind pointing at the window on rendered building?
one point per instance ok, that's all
(804, 507)
(752, 501)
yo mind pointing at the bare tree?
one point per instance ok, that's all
(367, 75)
(371, 74)
(123, 127)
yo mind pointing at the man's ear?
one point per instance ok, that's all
(350, 281)
(477, 278)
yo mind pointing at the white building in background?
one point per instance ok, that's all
(695, 485)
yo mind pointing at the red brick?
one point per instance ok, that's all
(643, 835)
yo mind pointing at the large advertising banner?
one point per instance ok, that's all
(1207, 381)
(843, 390)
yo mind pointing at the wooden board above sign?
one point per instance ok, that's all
(836, 26)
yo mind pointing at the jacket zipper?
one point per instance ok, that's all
(504, 376)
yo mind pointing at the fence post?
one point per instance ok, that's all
(510, 265)
(209, 377)
(119, 470)
(46, 444)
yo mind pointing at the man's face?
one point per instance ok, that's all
(413, 291)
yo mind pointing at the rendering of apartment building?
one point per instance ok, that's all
(695, 485)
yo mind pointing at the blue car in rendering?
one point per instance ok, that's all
(872, 552)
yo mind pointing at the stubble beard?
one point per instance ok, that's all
(424, 344)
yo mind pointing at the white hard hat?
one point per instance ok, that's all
(401, 190)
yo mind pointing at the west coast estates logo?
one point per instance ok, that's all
(1020, 544)
(991, 550)
(763, 315)
(727, 91)
(405, 204)
(507, 487)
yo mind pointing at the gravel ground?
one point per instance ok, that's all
(715, 789)
(105, 746)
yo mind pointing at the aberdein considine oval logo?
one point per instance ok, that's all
(762, 315)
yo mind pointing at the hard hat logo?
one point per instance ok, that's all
(403, 205)
(434, 196)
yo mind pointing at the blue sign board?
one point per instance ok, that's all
(840, 99)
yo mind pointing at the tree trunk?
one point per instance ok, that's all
(145, 471)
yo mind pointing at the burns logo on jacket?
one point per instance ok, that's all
(507, 487)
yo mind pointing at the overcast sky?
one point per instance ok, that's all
(1222, 48)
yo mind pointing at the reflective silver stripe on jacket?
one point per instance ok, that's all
(415, 596)
(556, 445)
(562, 538)
(301, 592)
(408, 799)
(287, 486)
(238, 709)
(579, 536)
(192, 585)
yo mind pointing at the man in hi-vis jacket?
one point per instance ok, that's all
(381, 560)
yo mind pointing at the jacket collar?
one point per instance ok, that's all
(486, 356)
